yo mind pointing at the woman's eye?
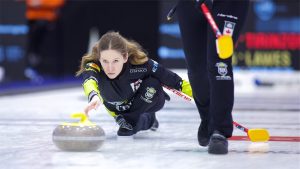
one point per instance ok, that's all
(116, 61)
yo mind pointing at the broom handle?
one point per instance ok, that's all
(188, 98)
(210, 19)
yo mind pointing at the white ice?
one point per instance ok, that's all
(27, 122)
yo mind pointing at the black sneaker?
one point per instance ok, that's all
(125, 128)
(125, 132)
(155, 125)
(203, 137)
(218, 144)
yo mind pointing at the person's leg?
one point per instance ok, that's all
(193, 28)
(229, 16)
(35, 38)
(149, 99)
(229, 12)
(36, 35)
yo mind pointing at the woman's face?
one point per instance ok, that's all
(112, 62)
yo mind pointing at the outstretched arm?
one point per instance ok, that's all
(90, 86)
(91, 90)
(169, 78)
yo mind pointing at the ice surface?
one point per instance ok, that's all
(27, 122)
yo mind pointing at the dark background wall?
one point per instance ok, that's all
(65, 44)
(12, 40)
(270, 40)
(137, 20)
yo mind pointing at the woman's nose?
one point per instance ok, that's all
(110, 67)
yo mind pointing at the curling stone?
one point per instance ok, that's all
(81, 136)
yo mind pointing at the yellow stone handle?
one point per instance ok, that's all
(82, 116)
(84, 120)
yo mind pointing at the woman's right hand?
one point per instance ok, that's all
(93, 104)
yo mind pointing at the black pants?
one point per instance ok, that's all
(44, 48)
(149, 99)
(211, 78)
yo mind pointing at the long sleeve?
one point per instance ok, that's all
(169, 78)
(164, 75)
(91, 81)
(90, 84)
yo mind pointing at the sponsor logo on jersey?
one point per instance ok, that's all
(136, 85)
(155, 66)
(149, 94)
(116, 103)
(227, 16)
(121, 105)
(228, 28)
(222, 70)
(138, 70)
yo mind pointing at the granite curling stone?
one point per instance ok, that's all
(81, 136)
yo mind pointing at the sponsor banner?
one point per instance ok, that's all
(13, 32)
(270, 38)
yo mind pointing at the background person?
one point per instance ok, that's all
(42, 17)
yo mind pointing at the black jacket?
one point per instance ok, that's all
(117, 93)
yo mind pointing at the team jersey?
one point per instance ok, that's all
(117, 94)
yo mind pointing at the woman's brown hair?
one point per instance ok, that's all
(114, 41)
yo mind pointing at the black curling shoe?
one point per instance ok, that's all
(155, 125)
(203, 137)
(125, 132)
(218, 144)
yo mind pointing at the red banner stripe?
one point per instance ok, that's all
(272, 138)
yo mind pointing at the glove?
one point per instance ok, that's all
(186, 88)
(123, 123)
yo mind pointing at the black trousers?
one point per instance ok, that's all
(211, 78)
(44, 47)
(149, 99)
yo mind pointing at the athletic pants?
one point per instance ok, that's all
(211, 78)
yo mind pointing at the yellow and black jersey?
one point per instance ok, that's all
(117, 94)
